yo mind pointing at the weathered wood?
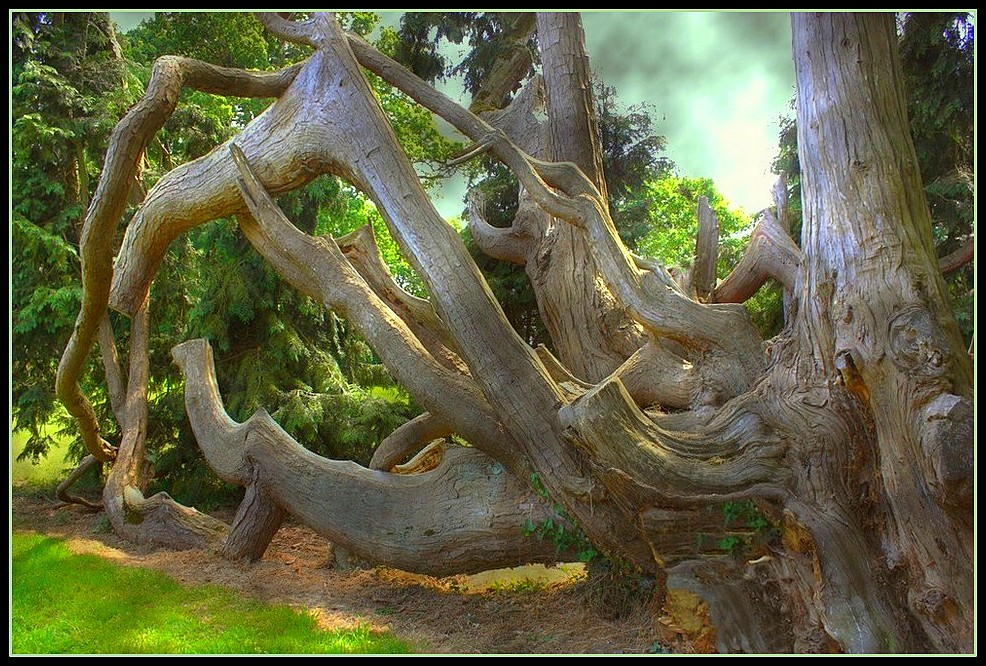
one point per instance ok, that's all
(157, 519)
(703, 273)
(466, 516)
(771, 253)
(407, 440)
(875, 316)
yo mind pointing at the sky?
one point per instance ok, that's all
(717, 84)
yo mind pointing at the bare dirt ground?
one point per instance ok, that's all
(451, 615)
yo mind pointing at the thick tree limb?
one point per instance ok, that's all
(468, 515)
(656, 376)
(126, 145)
(771, 253)
(317, 267)
(511, 66)
(297, 32)
(407, 440)
(566, 74)
(959, 257)
(733, 454)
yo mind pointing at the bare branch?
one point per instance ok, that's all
(296, 32)
(111, 368)
(485, 136)
(157, 519)
(126, 146)
(407, 440)
(771, 253)
(780, 197)
(510, 67)
(958, 258)
(62, 493)
(465, 516)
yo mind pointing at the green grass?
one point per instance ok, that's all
(81, 604)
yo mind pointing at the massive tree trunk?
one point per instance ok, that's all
(875, 319)
(851, 431)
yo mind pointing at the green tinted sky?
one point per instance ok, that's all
(717, 83)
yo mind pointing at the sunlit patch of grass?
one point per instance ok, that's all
(64, 603)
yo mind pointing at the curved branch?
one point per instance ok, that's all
(317, 267)
(126, 146)
(296, 32)
(407, 440)
(731, 454)
(771, 253)
(503, 243)
(62, 493)
(467, 515)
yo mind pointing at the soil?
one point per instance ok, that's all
(519, 612)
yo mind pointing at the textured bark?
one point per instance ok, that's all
(874, 317)
(466, 516)
(852, 430)
(702, 277)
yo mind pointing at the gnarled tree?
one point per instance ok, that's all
(852, 430)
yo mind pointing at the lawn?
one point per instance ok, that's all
(62, 603)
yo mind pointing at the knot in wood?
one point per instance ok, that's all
(917, 343)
